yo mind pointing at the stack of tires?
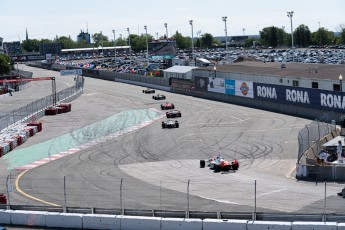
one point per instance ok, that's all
(61, 108)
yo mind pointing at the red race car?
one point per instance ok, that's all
(167, 106)
(219, 164)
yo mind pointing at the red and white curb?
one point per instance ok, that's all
(87, 145)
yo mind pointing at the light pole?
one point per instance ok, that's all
(147, 44)
(191, 24)
(320, 33)
(244, 29)
(114, 47)
(215, 71)
(166, 29)
(157, 35)
(290, 14)
(102, 46)
(129, 44)
(226, 36)
(341, 81)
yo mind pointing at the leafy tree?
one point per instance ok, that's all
(67, 42)
(302, 36)
(138, 42)
(198, 43)
(99, 38)
(207, 40)
(121, 42)
(6, 64)
(31, 45)
(181, 41)
(326, 37)
(269, 36)
(341, 29)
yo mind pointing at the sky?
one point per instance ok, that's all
(47, 19)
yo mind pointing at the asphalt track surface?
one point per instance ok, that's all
(156, 165)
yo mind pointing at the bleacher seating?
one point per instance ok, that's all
(12, 48)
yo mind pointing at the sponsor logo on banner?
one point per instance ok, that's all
(310, 98)
(230, 87)
(244, 89)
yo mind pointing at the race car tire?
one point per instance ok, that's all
(180, 115)
(227, 168)
(177, 125)
(163, 126)
(153, 97)
(202, 163)
(173, 107)
(143, 91)
(153, 91)
(216, 168)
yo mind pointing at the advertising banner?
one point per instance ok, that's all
(201, 83)
(311, 98)
(216, 85)
(244, 89)
(230, 87)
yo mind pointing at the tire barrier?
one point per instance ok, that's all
(17, 135)
(3, 199)
(58, 109)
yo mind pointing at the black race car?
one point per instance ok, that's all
(173, 113)
(170, 124)
(167, 106)
(148, 91)
(158, 97)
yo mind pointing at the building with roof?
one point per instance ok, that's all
(182, 72)
(84, 37)
(316, 76)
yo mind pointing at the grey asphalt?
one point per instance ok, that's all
(156, 164)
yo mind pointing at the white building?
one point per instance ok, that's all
(182, 72)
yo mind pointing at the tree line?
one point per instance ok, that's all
(269, 36)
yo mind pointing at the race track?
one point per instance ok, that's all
(155, 165)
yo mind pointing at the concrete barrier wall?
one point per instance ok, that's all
(314, 226)
(265, 225)
(64, 220)
(211, 224)
(181, 223)
(5, 216)
(101, 221)
(138, 222)
(28, 218)
(92, 221)
(339, 173)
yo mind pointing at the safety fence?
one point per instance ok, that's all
(35, 109)
(190, 195)
(311, 135)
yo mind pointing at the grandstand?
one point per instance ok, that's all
(164, 47)
(13, 48)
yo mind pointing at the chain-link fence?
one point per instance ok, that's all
(169, 194)
(311, 134)
(35, 109)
